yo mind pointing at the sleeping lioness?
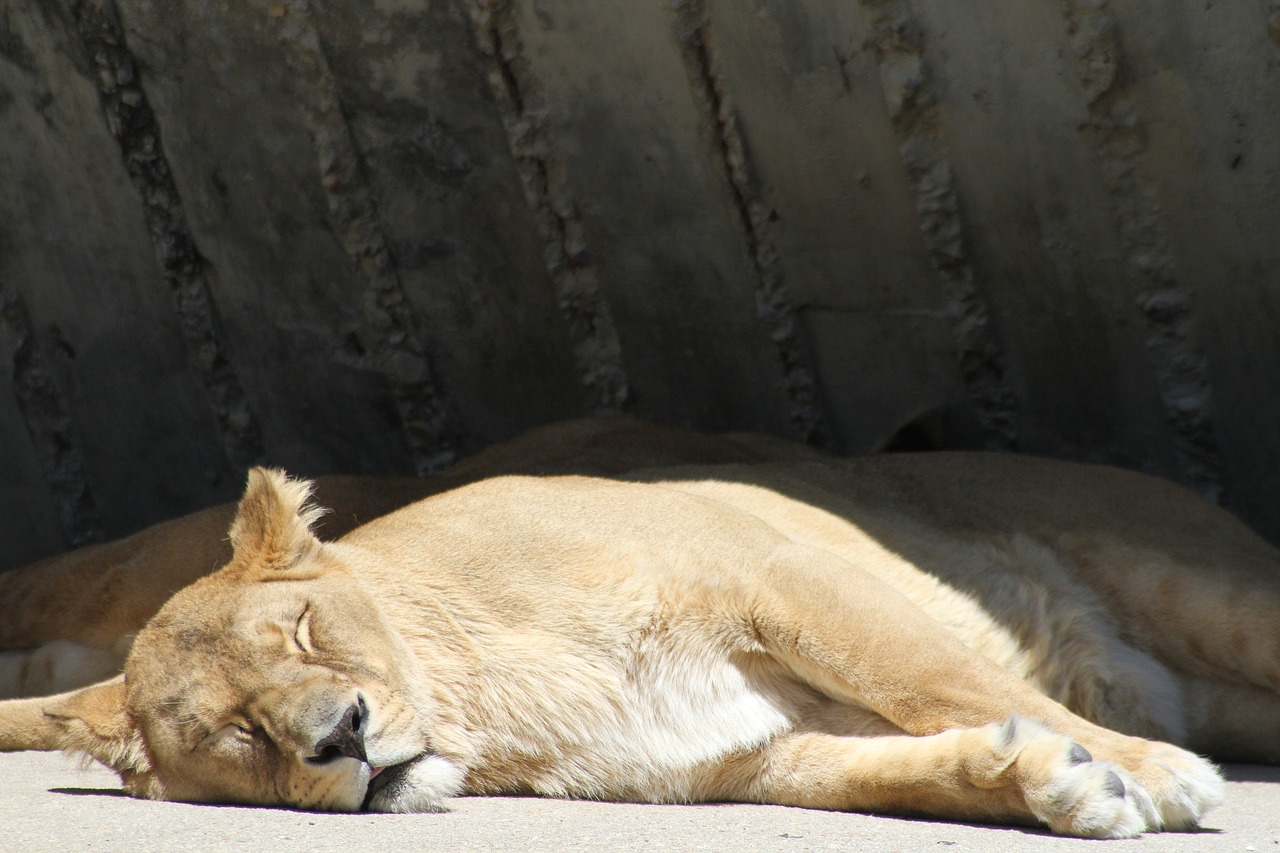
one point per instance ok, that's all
(68, 620)
(951, 635)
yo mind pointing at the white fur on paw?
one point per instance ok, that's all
(1189, 786)
(423, 787)
(1071, 793)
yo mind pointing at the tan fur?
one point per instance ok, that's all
(70, 619)
(966, 636)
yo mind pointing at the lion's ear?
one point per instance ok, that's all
(272, 529)
(92, 721)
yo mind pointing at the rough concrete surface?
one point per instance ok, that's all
(48, 803)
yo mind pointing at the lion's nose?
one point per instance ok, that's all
(347, 738)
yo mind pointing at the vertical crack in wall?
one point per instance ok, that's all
(1114, 130)
(133, 124)
(391, 337)
(596, 348)
(12, 47)
(48, 423)
(898, 43)
(806, 418)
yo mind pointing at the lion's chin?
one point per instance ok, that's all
(421, 784)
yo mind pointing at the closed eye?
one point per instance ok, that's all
(302, 631)
(238, 730)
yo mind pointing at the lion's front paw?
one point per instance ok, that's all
(1183, 786)
(420, 785)
(1069, 791)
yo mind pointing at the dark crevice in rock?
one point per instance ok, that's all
(189, 275)
(596, 348)
(755, 218)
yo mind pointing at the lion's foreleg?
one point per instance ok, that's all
(24, 725)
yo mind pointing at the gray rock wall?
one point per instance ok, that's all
(373, 235)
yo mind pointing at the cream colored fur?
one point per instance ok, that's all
(964, 636)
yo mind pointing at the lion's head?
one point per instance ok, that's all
(275, 681)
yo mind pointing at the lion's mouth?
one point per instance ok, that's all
(382, 777)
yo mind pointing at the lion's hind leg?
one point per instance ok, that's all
(1016, 772)
(860, 642)
(1233, 722)
(56, 667)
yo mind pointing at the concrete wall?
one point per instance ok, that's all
(373, 235)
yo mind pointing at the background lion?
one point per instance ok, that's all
(971, 636)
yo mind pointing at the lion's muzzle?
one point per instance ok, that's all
(347, 738)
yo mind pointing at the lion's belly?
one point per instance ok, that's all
(654, 728)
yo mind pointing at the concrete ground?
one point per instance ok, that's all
(47, 802)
